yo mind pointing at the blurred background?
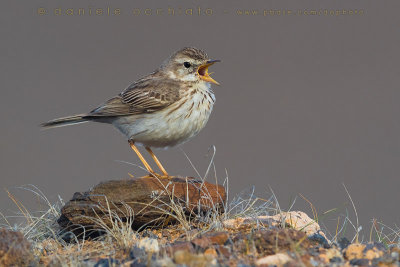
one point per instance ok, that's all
(308, 101)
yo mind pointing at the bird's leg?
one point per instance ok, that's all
(146, 165)
(160, 166)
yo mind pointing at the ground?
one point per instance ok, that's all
(249, 232)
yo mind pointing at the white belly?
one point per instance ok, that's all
(168, 128)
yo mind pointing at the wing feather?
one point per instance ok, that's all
(147, 95)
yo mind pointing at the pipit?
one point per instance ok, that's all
(163, 109)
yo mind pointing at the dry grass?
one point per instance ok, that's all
(119, 239)
(40, 227)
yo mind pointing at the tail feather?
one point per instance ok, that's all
(65, 121)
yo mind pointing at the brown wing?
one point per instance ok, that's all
(144, 96)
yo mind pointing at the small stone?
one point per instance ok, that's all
(202, 242)
(385, 260)
(218, 238)
(148, 233)
(189, 259)
(395, 249)
(107, 263)
(336, 260)
(277, 259)
(329, 254)
(343, 243)
(224, 251)
(320, 239)
(164, 262)
(395, 255)
(302, 222)
(377, 245)
(137, 253)
(373, 253)
(297, 220)
(180, 245)
(313, 262)
(211, 239)
(359, 262)
(275, 240)
(211, 252)
(15, 250)
(50, 245)
(180, 257)
(136, 264)
(354, 251)
(374, 250)
(150, 245)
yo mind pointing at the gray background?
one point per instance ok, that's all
(306, 102)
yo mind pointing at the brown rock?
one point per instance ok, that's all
(328, 254)
(373, 251)
(211, 251)
(201, 242)
(224, 251)
(148, 199)
(276, 260)
(208, 240)
(354, 251)
(177, 246)
(14, 249)
(395, 249)
(195, 260)
(275, 240)
(49, 246)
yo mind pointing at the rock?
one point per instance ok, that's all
(164, 262)
(359, 253)
(217, 238)
(136, 252)
(395, 252)
(196, 260)
(374, 250)
(354, 251)
(136, 264)
(225, 251)
(110, 262)
(295, 219)
(211, 251)
(131, 264)
(146, 200)
(275, 240)
(185, 246)
(320, 239)
(386, 260)
(336, 260)
(15, 249)
(208, 240)
(149, 245)
(276, 260)
(359, 262)
(46, 247)
(343, 243)
(300, 221)
(331, 255)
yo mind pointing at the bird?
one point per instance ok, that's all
(163, 109)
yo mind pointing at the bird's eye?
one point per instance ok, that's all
(186, 64)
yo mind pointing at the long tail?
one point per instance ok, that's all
(65, 121)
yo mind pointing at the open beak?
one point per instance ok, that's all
(203, 71)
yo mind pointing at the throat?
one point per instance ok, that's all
(201, 93)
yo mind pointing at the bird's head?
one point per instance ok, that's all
(189, 64)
